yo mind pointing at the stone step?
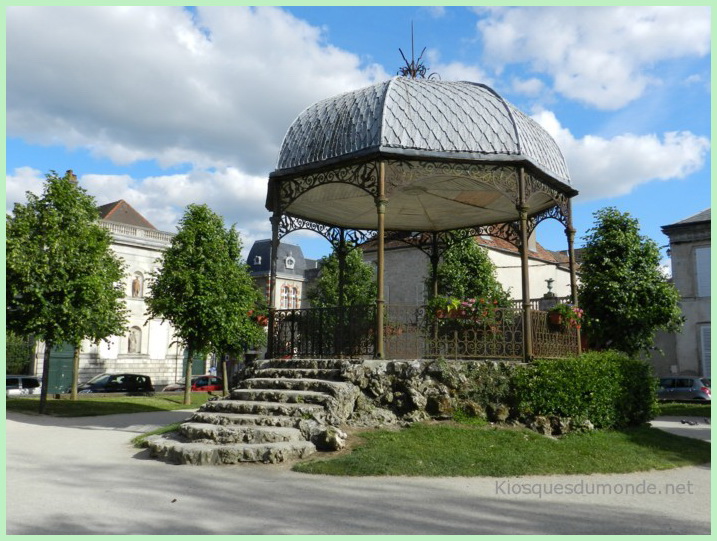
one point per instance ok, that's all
(280, 396)
(289, 409)
(331, 364)
(221, 434)
(244, 419)
(332, 374)
(291, 384)
(175, 448)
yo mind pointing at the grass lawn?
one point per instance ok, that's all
(450, 449)
(683, 409)
(87, 405)
(141, 440)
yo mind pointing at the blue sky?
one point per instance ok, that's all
(167, 106)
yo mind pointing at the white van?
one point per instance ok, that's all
(22, 385)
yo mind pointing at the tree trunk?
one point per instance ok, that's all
(188, 378)
(75, 372)
(45, 377)
(225, 379)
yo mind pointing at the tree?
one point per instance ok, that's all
(466, 272)
(64, 284)
(359, 282)
(204, 289)
(622, 291)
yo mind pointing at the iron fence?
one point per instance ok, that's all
(324, 332)
(414, 332)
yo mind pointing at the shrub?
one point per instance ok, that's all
(608, 388)
(488, 384)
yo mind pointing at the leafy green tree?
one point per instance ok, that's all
(466, 272)
(64, 284)
(205, 290)
(19, 351)
(359, 282)
(625, 296)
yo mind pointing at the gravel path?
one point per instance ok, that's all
(82, 476)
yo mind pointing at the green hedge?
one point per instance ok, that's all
(608, 388)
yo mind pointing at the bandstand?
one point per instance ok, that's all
(428, 162)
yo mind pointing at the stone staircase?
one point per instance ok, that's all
(284, 410)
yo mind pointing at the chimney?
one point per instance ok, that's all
(71, 176)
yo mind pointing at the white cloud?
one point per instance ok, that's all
(455, 71)
(602, 168)
(24, 179)
(157, 83)
(437, 12)
(602, 56)
(238, 197)
(529, 87)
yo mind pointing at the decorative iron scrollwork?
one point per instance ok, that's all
(559, 212)
(403, 173)
(414, 332)
(352, 237)
(362, 175)
(555, 213)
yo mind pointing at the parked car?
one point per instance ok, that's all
(685, 388)
(205, 383)
(118, 383)
(22, 385)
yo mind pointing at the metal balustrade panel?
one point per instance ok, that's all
(413, 332)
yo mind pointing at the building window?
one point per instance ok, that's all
(285, 297)
(702, 271)
(706, 349)
(293, 298)
(257, 260)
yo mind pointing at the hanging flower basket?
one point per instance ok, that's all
(562, 316)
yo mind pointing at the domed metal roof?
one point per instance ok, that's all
(419, 118)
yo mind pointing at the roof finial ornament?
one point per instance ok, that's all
(414, 69)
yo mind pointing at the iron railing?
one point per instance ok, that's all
(324, 332)
(414, 332)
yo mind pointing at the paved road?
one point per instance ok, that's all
(81, 476)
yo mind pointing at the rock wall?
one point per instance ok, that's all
(378, 393)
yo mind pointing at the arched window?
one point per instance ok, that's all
(285, 297)
(292, 298)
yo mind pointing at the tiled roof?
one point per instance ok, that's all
(699, 220)
(494, 243)
(290, 260)
(422, 117)
(704, 216)
(123, 213)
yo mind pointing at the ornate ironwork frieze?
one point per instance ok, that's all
(352, 237)
(363, 175)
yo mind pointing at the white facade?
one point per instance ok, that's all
(688, 352)
(148, 346)
(407, 269)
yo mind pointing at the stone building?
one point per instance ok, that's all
(294, 272)
(407, 270)
(688, 352)
(149, 346)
